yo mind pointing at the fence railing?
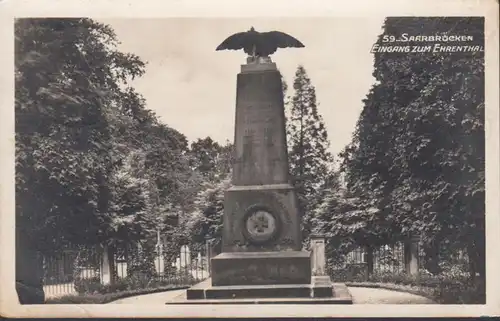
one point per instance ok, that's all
(80, 269)
(361, 262)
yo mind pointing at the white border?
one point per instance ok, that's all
(9, 305)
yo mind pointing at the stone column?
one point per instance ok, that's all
(106, 272)
(159, 260)
(411, 255)
(318, 262)
(208, 252)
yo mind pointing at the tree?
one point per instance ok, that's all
(307, 138)
(417, 154)
(211, 159)
(94, 166)
(207, 219)
(67, 81)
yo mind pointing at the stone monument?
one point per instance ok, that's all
(262, 257)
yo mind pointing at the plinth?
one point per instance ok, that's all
(262, 258)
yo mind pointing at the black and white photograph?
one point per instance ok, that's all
(182, 164)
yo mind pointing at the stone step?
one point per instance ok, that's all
(316, 289)
(314, 293)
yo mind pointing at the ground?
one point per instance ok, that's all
(383, 296)
(360, 296)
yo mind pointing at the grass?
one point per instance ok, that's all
(109, 297)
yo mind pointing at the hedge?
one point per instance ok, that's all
(99, 298)
(441, 289)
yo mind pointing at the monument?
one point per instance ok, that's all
(262, 258)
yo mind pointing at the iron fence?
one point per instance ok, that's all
(361, 262)
(62, 268)
(79, 270)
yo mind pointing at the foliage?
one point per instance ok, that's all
(207, 220)
(93, 164)
(211, 159)
(444, 289)
(417, 155)
(307, 138)
(141, 260)
(61, 131)
(87, 285)
(131, 283)
(110, 296)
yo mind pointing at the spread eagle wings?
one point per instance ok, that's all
(264, 43)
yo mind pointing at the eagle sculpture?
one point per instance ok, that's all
(259, 44)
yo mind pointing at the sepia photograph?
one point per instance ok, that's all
(305, 162)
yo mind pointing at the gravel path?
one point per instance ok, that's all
(153, 298)
(384, 296)
(359, 295)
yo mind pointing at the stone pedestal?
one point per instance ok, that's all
(29, 276)
(261, 268)
(411, 255)
(277, 203)
(318, 257)
(262, 253)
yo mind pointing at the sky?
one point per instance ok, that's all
(192, 87)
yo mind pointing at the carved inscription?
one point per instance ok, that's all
(262, 273)
(258, 114)
(268, 136)
(258, 120)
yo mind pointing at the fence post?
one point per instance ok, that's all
(106, 266)
(208, 253)
(411, 255)
(159, 262)
(369, 261)
(318, 261)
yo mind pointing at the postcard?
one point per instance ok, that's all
(257, 159)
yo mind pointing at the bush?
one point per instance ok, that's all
(138, 280)
(108, 297)
(444, 289)
(90, 285)
(117, 286)
(132, 282)
(352, 273)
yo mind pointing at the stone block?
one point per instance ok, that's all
(277, 200)
(261, 268)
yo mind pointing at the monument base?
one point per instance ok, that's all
(319, 291)
(261, 268)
